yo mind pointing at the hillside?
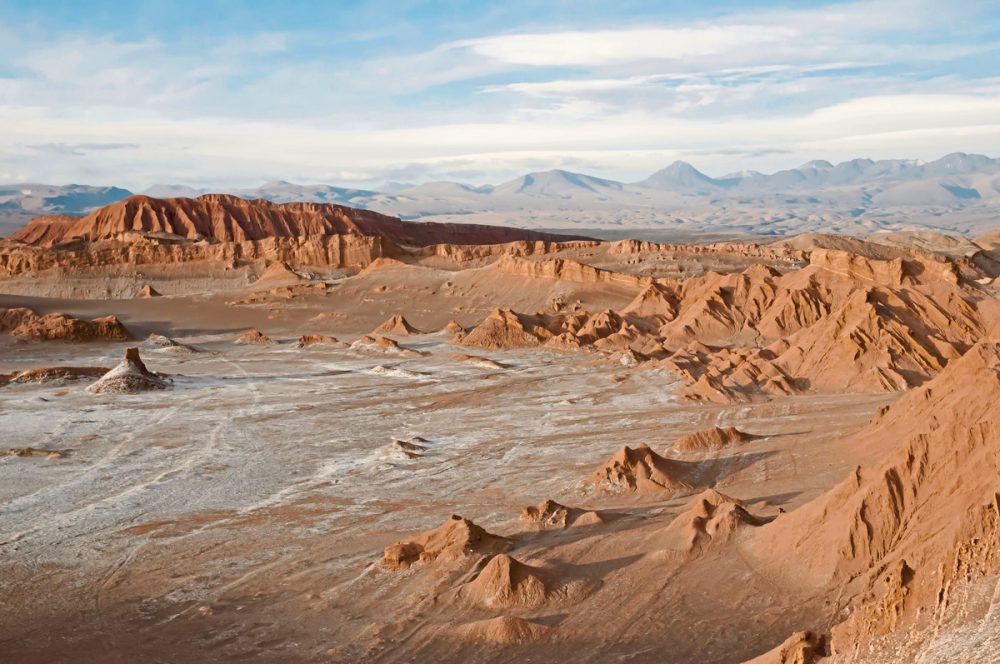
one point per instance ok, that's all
(226, 218)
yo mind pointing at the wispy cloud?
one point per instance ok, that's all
(754, 88)
(80, 149)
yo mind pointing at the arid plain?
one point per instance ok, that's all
(345, 437)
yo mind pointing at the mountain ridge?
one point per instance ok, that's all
(959, 193)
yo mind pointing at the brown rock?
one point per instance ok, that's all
(551, 514)
(709, 440)
(505, 582)
(712, 518)
(253, 336)
(227, 218)
(799, 648)
(396, 325)
(505, 329)
(63, 327)
(307, 340)
(504, 630)
(909, 531)
(642, 471)
(129, 377)
(456, 539)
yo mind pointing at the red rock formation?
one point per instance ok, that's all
(26, 324)
(384, 345)
(396, 325)
(45, 231)
(455, 252)
(566, 270)
(277, 273)
(484, 362)
(799, 648)
(307, 340)
(226, 218)
(12, 318)
(506, 582)
(504, 630)
(711, 519)
(350, 252)
(895, 540)
(640, 470)
(456, 539)
(708, 440)
(744, 249)
(253, 337)
(505, 329)
(551, 514)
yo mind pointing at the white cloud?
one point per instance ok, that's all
(627, 145)
(603, 47)
(749, 86)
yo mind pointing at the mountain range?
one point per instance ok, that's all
(957, 193)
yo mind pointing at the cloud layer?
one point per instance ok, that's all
(758, 89)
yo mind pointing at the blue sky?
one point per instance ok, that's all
(237, 93)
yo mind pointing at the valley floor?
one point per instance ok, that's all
(242, 514)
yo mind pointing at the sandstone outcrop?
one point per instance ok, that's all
(709, 440)
(483, 362)
(225, 218)
(565, 270)
(901, 537)
(550, 514)
(799, 648)
(307, 340)
(27, 325)
(253, 337)
(348, 252)
(712, 519)
(504, 630)
(129, 377)
(384, 345)
(505, 583)
(640, 470)
(396, 325)
(505, 329)
(456, 539)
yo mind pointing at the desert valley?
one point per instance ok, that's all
(248, 431)
(470, 332)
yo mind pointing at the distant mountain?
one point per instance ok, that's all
(287, 192)
(444, 189)
(51, 199)
(820, 174)
(958, 192)
(558, 184)
(682, 177)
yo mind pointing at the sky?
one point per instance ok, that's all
(364, 93)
